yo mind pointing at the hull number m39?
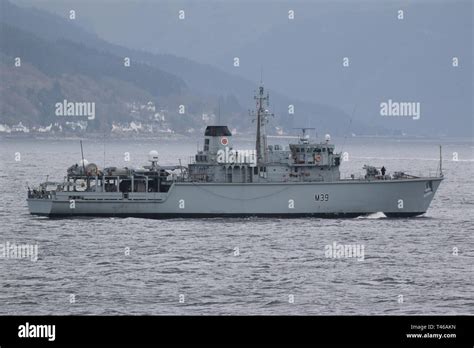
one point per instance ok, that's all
(321, 197)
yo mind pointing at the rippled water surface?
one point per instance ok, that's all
(87, 258)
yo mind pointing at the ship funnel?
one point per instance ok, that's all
(216, 138)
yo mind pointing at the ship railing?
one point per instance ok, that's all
(39, 194)
(357, 176)
(392, 176)
(429, 174)
(421, 174)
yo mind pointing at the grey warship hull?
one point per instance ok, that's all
(343, 198)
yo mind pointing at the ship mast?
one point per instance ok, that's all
(261, 116)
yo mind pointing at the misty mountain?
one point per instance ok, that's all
(409, 60)
(84, 62)
(51, 72)
(405, 60)
(63, 56)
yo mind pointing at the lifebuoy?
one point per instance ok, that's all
(224, 141)
(317, 158)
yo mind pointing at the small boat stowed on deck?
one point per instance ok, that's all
(302, 180)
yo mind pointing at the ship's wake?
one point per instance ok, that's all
(373, 216)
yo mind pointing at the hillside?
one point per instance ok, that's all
(407, 60)
(63, 61)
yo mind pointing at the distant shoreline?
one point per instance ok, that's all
(197, 137)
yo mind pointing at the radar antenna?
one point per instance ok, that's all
(303, 138)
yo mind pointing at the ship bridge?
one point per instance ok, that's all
(315, 154)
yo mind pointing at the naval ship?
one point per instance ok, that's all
(301, 180)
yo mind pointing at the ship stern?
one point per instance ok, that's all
(38, 206)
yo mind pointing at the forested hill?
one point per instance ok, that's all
(62, 61)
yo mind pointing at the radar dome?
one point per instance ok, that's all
(327, 137)
(153, 156)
